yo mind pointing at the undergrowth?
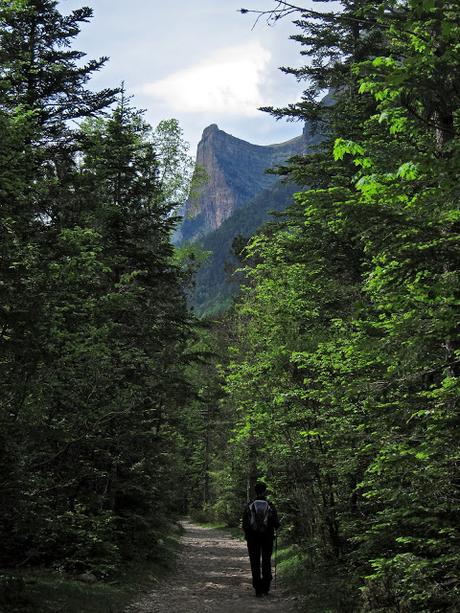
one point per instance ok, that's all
(322, 589)
(43, 591)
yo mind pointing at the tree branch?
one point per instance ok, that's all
(284, 9)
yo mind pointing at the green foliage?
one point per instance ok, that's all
(320, 588)
(205, 426)
(344, 368)
(41, 591)
(175, 166)
(93, 320)
(336, 376)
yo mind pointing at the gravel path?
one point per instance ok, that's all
(213, 575)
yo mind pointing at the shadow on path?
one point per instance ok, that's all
(213, 575)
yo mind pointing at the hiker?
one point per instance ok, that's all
(260, 520)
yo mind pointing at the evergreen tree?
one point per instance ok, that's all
(94, 324)
(346, 367)
(41, 88)
(40, 70)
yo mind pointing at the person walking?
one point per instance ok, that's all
(260, 521)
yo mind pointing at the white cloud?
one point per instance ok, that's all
(229, 82)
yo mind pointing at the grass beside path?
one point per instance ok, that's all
(42, 591)
(321, 590)
(234, 532)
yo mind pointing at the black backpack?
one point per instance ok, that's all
(260, 516)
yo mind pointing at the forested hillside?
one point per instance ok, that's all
(216, 282)
(334, 376)
(235, 190)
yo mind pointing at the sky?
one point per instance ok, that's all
(199, 61)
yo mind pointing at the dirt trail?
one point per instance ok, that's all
(213, 575)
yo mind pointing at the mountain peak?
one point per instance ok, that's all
(236, 173)
(210, 130)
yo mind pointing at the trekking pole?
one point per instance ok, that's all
(276, 554)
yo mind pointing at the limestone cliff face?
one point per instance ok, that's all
(236, 173)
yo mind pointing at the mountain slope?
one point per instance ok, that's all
(236, 200)
(214, 284)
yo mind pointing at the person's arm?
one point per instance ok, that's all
(246, 521)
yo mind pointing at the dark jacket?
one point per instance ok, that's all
(273, 525)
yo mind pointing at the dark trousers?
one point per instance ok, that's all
(260, 549)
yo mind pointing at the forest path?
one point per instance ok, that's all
(213, 575)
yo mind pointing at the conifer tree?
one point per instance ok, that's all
(40, 70)
(41, 88)
(347, 361)
(93, 317)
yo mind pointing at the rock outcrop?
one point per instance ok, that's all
(235, 173)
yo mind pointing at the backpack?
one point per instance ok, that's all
(260, 516)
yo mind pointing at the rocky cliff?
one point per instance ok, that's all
(235, 174)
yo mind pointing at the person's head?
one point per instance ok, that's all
(260, 488)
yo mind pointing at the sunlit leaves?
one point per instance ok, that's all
(348, 359)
